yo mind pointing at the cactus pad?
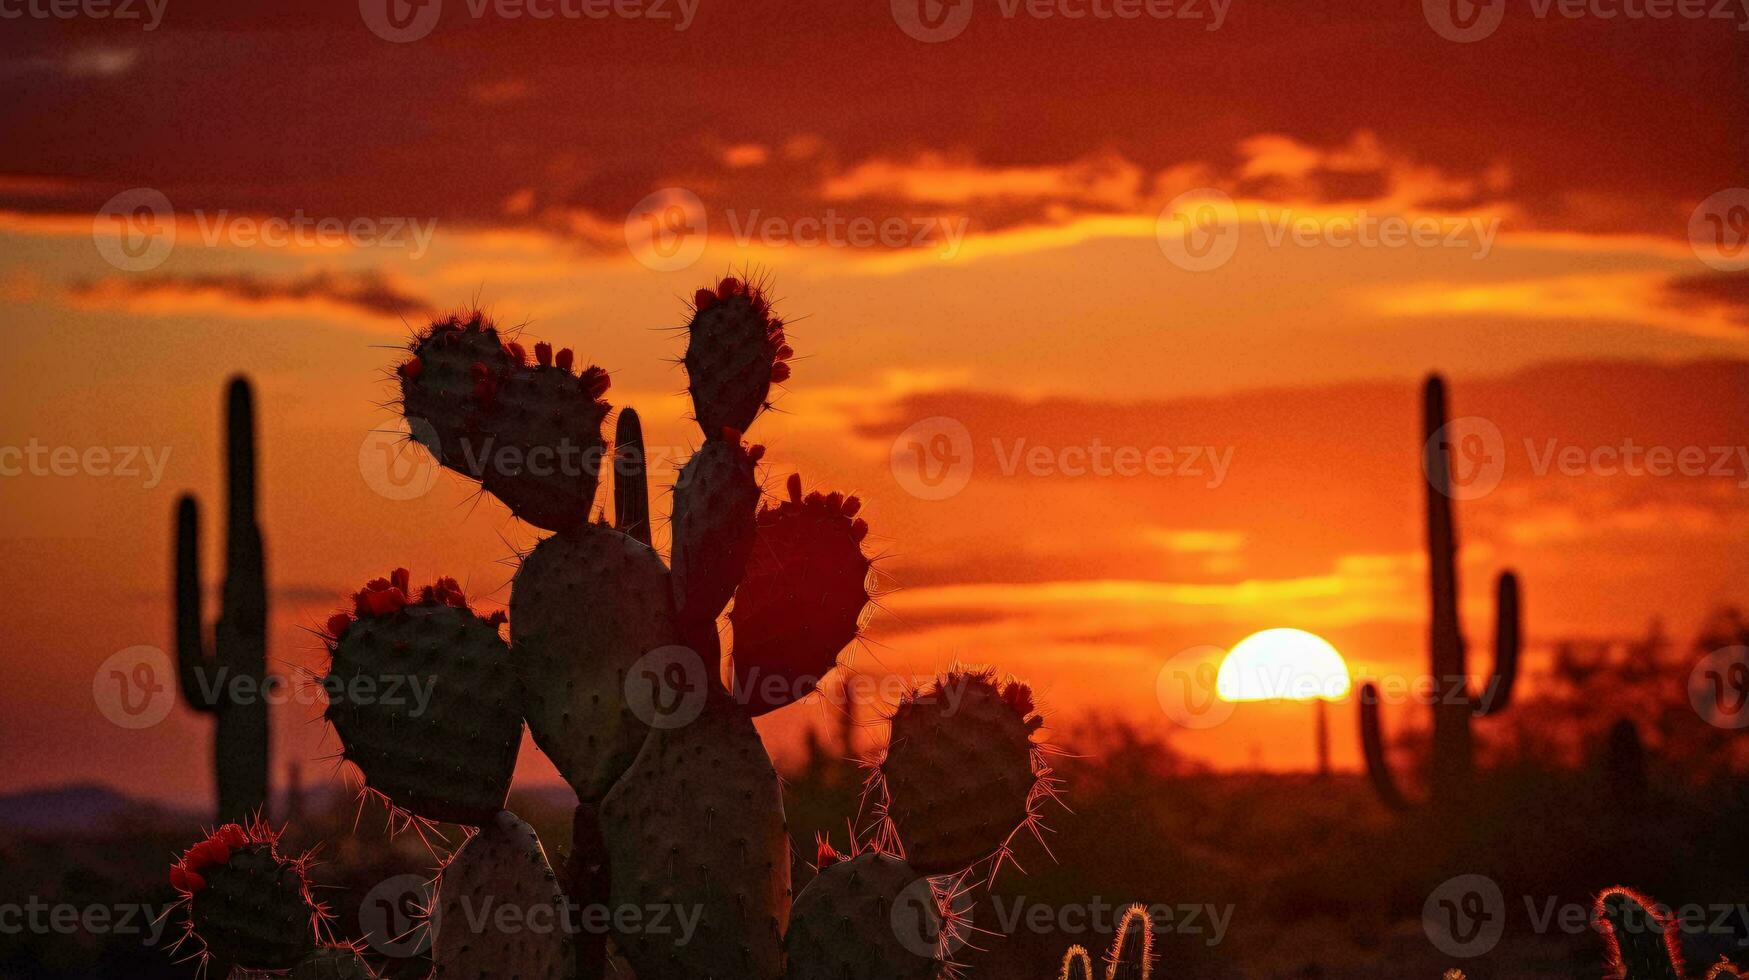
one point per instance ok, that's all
(247, 904)
(735, 352)
(716, 501)
(697, 824)
(585, 605)
(1643, 941)
(801, 601)
(960, 773)
(530, 433)
(501, 912)
(870, 917)
(421, 694)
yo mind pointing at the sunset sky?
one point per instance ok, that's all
(1029, 283)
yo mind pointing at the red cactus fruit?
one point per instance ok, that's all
(801, 600)
(543, 353)
(411, 369)
(563, 360)
(247, 903)
(731, 357)
(961, 773)
(518, 354)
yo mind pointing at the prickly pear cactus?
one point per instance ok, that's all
(696, 824)
(585, 606)
(333, 963)
(961, 772)
(680, 806)
(530, 433)
(735, 352)
(803, 597)
(868, 917)
(424, 700)
(1643, 942)
(501, 868)
(247, 904)
(716, 503)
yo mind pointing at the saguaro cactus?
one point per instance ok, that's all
(1454, 703)
(230, 682)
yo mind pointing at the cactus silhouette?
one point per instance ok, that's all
(1643, 940)
(614, 664)
(1454, 704)
(229, 680)
(1129, 959)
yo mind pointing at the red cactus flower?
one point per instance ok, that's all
(780, 372)
(518, 354)
(337, 624)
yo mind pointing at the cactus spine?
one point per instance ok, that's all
(228, 682)
(1455, 705)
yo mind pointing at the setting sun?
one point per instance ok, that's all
(1282, 665)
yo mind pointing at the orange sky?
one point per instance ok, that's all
(1560, 163)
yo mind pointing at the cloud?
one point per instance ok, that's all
(933, 178)
(1704, 306)
(366, 292)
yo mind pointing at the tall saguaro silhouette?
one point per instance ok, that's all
(229, 680)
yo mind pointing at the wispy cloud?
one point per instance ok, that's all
(366, 292)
